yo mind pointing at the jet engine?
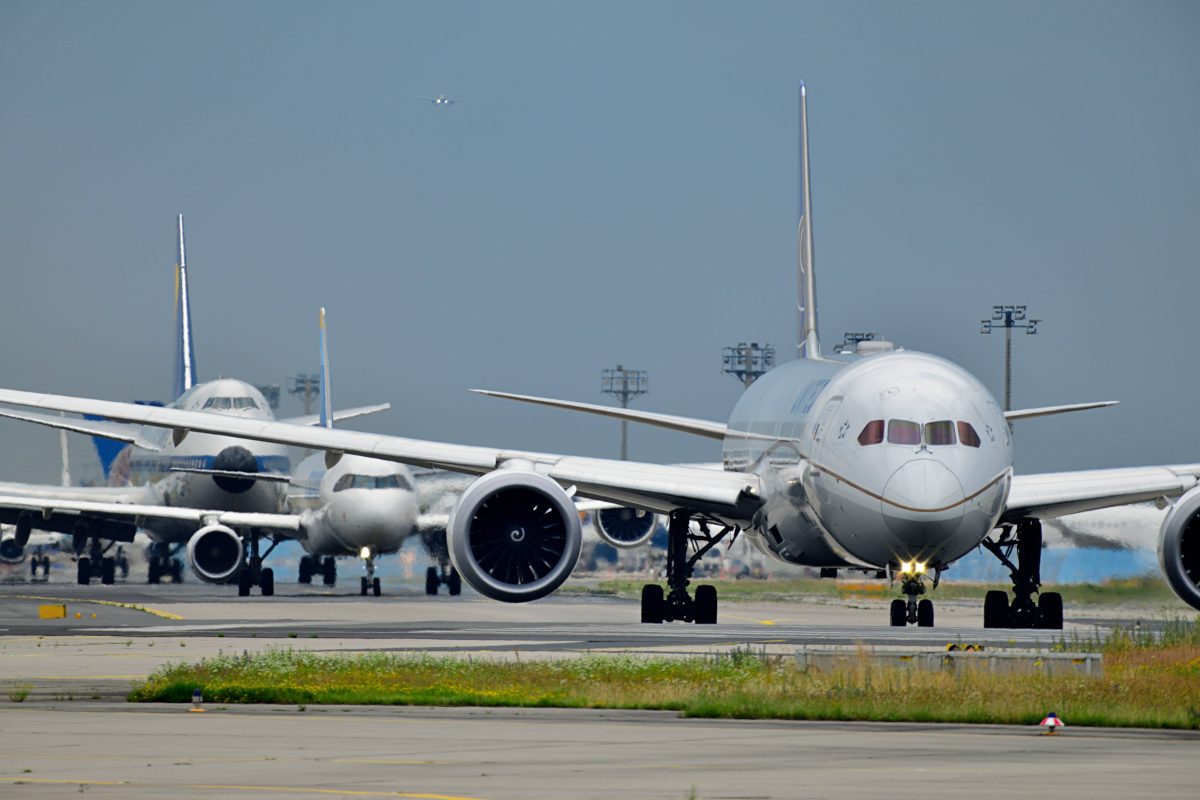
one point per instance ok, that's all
(10, 551)
(1179, 547)
(215, 553)
(514, 536)
(624, 527)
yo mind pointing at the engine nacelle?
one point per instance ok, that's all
(514, 536)
(624, 527)
(1179, 547)
(215, 553)
(11, 552)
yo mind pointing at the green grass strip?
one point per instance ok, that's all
(1147, 681)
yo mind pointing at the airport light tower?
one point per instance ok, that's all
(624, 384)
(305, 387)
(748, 362)
(1008, 317)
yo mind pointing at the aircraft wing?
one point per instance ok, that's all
(1055, 494)
(338, 416)
(655, 487)
(120, 431)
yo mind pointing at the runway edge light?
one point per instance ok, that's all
(1052, 723)
(197, 701)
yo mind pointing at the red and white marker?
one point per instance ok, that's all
(1052, 723)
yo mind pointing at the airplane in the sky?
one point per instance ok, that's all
(897, 461)
(441, 100)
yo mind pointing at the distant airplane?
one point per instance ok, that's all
(441, 100)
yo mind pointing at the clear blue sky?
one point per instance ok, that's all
(617, 185)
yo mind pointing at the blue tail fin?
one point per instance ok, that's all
(326, 392)
(185, 348)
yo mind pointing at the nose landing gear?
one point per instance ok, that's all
(368, 582)
(1023, 612)
(912, 610)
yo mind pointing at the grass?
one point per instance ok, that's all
(1146, 589)
(1147, 681)
(17, 694)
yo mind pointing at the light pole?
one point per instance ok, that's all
(1010, 317)
(748, 362)
(624, 384)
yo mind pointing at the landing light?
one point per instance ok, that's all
(912, 567)
(365, 553)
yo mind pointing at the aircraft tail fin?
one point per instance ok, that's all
(326, 389)
(806, 302)
(185, 348)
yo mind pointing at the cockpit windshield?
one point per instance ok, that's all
(967, 434)
(371, 482)
(940, 433)
(229, 403)
(903, 431)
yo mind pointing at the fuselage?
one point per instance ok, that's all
(161, 470)
(885, 459)
(358, 504)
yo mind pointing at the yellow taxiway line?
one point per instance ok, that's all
(18, 780)
(110, 603)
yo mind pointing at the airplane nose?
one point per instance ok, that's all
(923, 503)
(235, 459)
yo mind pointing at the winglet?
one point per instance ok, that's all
(1045, 411)
(326, 389)
(185, 348)
(807, 342)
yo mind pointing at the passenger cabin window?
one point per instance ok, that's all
(939, 433)
(903, 431)
(872, 433)
(967, 434)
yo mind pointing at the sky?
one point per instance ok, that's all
(617, 185)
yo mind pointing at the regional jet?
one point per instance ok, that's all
(441, 100)
(896, 461)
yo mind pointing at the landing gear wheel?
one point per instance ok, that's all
(432, 581)
(653, 603)
(375, 588)
(154, 575)
(108, 571)
(454, 582)
(1050, 611)
(83, 571)
(362, 586)
(266, 582)
(898, 613)
(706, 605)
(995, 609)
(244, 583)
(925, 614)
(33, 567)
(329, 571)
(306, 569)
(176, 571)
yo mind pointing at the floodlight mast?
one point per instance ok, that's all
(624, 384)
(748, 362)
(1009, 317)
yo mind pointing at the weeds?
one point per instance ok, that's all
(17, 694)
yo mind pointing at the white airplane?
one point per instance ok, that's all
(208, 493)
(896, 461)
(441, 100)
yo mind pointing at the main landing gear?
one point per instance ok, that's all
(253, 572)
(98, 563)
(446, 575)
(1023, 612)
(368, 582)
(912, 610)
(678, 604)
(325, 567)
(39, 561)
(164, 562)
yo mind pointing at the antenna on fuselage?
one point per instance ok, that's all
(807, 343)
(185, 349)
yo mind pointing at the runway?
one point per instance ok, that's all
(76, 734)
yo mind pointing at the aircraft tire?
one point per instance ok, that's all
(362, 586)
(653, 604)
(306, 569)
(108, 571)
(176, 571)
(431, 581)
(329, 571)
(375, 587)
(995, 609)
(925, 614)
(83, 571)
(1050, 611)
(154, 571)
(244, 583)
(266, 582)
(898, 613)
(706, 605)
(454, 582)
